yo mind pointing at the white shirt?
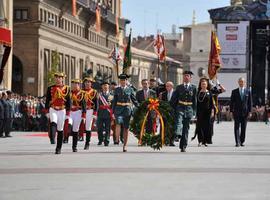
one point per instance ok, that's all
(169, 95)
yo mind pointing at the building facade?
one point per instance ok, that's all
(47, 26)
(6, 21)
(196, 47)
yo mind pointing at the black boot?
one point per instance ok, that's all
(75, 141)
(52, 132)
(87, 140)
(59, 142)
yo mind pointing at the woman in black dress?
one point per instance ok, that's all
(205, 110)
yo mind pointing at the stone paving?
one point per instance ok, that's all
(30, 170)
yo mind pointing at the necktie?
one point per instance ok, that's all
(145, 94)
(186, 86)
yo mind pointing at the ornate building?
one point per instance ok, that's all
(42, 27)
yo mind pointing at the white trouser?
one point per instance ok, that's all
(89, 119)
(76, 117)
(58, 117)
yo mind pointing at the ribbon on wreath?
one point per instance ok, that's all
(153, 106)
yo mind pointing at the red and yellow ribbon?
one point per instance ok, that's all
(153, 106)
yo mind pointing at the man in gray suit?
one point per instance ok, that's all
(145, 92)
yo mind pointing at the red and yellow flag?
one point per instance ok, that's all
(74, 8)
(214, 63)
(98, 19)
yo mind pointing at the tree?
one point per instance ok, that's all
(54, 67)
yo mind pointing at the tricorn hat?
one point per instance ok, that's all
(76, 81)
(123, 76)
(60, 74)
(188, 72)
(88, 79)
(105, 82)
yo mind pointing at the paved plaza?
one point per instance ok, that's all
(30, 170)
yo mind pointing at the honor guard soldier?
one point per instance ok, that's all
(58, 106)
(78, 110)
(184, 101)
(122, 107)
(104, 114)
(90, 96)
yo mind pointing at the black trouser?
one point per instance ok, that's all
(7, 126)
(25, 122)
(240, 122)
(1, 127)
(104, 124)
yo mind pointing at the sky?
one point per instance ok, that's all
(148, 16)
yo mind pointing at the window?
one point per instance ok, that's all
(21, 14)
(40, 14)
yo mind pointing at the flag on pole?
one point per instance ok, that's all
(214, 63)
(127, 58)
(159, 47)
(98, 19)
(115, 54)
(117, 26)
(74, 8)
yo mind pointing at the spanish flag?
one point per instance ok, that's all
(74, 8)
(214, 63)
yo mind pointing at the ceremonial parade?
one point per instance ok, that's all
(134, 99)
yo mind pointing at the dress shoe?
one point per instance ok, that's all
(242, 145)
(99, 143)
(106, 144)
(205, 145)
(116, 143)
(172, 145)
(74, 149)
(86, 146)
(57, 151)
(200, 144)
(8, 136)
(52, 141)
(237, 145)
(183, 150)
(124, 149)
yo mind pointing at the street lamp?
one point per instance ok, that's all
(263, 38)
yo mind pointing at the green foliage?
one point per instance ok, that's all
(54, 67)
(149, 139)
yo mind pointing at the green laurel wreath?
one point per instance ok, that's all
(149, 139)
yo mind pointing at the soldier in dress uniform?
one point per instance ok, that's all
(78, 110)
(58, 106)
(90, 96)
(104, 114)
(184, 102)
(122, 107)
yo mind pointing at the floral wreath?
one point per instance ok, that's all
(164, 116)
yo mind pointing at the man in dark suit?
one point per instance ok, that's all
(240, 106)
(184, 101)
(167, 95)
(145, 92)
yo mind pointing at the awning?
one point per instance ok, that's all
(5, 40)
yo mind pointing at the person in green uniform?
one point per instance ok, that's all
(124, 97)
(184, 102)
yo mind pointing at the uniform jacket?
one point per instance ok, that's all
(90, 97)
(78, 101)
(58, 96)
(185, 95)
(104, 111)
(125, 95)
(239, 107)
